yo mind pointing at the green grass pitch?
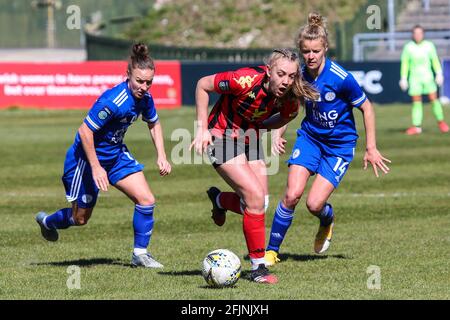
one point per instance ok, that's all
(396, 225)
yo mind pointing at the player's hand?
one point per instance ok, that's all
(201, 141)
(278, 144)
(376, 160)
(439, 79)
(100, 177)
(403, 84)
(164, 166)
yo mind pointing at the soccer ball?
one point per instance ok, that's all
(221, 268)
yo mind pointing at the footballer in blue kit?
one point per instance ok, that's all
(98, 157)
(327, 136)
(326, 140)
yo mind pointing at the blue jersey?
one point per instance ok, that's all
(109, 118)
(330, 119)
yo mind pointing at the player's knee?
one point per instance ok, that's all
(82, 216)
(81, 220)
(145, 199)
(291, 198)
(314, 205)
(254, 199)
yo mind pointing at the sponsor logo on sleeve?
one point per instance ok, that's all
(224, 85)
(102, 115)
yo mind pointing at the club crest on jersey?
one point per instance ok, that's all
(245, 81)
(87, 198)
(258, 114)
(330, 96)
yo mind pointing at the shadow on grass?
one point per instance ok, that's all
(310, 257)
(197, 273)
(307, 257)
(84, 263)
(397, 130)
(181, 273)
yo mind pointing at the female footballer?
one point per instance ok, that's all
(325, 142)
(98, 158)
(418, 60)
(263, 97)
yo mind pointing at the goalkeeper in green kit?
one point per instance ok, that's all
(419, 60)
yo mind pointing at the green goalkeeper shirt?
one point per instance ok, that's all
(417, 60)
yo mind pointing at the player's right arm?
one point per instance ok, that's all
(278, 140)
(404, 68)
(98, 173)
(203, 137)
(98, 116)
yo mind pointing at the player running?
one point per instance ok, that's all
(262, 97)
(98, 157)
(419, 59)
(325, 142)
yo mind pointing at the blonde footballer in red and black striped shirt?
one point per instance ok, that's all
(252, 99)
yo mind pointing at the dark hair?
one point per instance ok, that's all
(300, 88)
(418, 26)
(140, 58)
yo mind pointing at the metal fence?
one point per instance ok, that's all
(388, 46)
(109, 48)
(346, 30)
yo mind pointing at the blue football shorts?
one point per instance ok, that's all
(330, 162)
(77, 177)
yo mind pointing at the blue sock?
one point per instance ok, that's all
(326, 215)
(143, 225)
(61, 219)
(280, 225)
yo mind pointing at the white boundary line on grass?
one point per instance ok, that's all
(392, 195)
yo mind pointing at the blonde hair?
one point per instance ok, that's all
(300, 88)
(315, 29)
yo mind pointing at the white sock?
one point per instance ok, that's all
(139, 251)
(257, 262)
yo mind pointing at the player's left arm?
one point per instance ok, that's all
(150, 116)
(436, 64)
(372, 154)
(158, 141)
(276, 121)
(287, 113)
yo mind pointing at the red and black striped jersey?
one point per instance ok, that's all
(244, 102)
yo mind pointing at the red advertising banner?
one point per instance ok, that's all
(78, 85)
